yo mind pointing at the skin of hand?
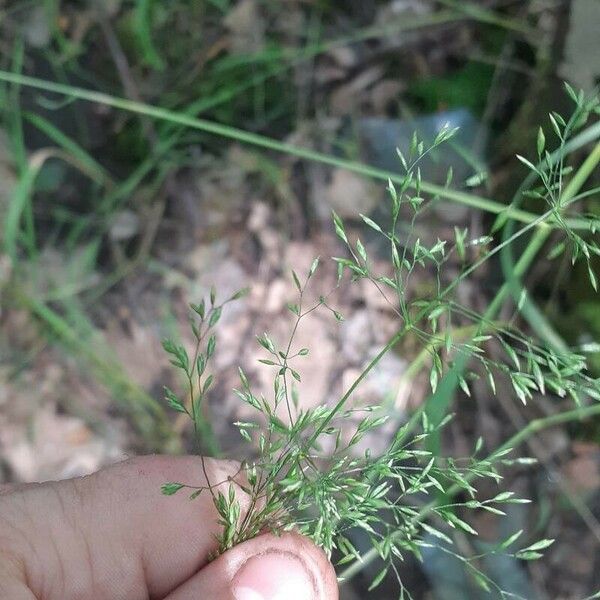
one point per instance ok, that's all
(113, 535)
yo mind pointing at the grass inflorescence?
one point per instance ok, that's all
(311, 474)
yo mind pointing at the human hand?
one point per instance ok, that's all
(113, 535)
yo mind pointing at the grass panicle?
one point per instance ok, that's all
(313, 475)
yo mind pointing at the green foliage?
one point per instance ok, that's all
(468, 88)
(315, 476)
(203, 319)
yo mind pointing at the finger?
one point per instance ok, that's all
(113, 532)
(11, 583)
(289, 567)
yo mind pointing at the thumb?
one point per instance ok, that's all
(267, 567)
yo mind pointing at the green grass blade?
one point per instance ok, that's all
(483, 14)
(17, 208)
(143, 30)
(94, 168)
(254, 139)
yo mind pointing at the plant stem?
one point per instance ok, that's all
(586, 169)
(254, 139)
(342, 401)
(485, 15)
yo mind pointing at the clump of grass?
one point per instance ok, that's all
(310, 474)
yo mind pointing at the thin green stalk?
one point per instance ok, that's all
(582, 174)
(342, 401)
(486, 15)
(22, 194)
(95, 169)
(255, 139)
(15, 121)
(295, 56)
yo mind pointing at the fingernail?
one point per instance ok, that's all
(274, 576)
